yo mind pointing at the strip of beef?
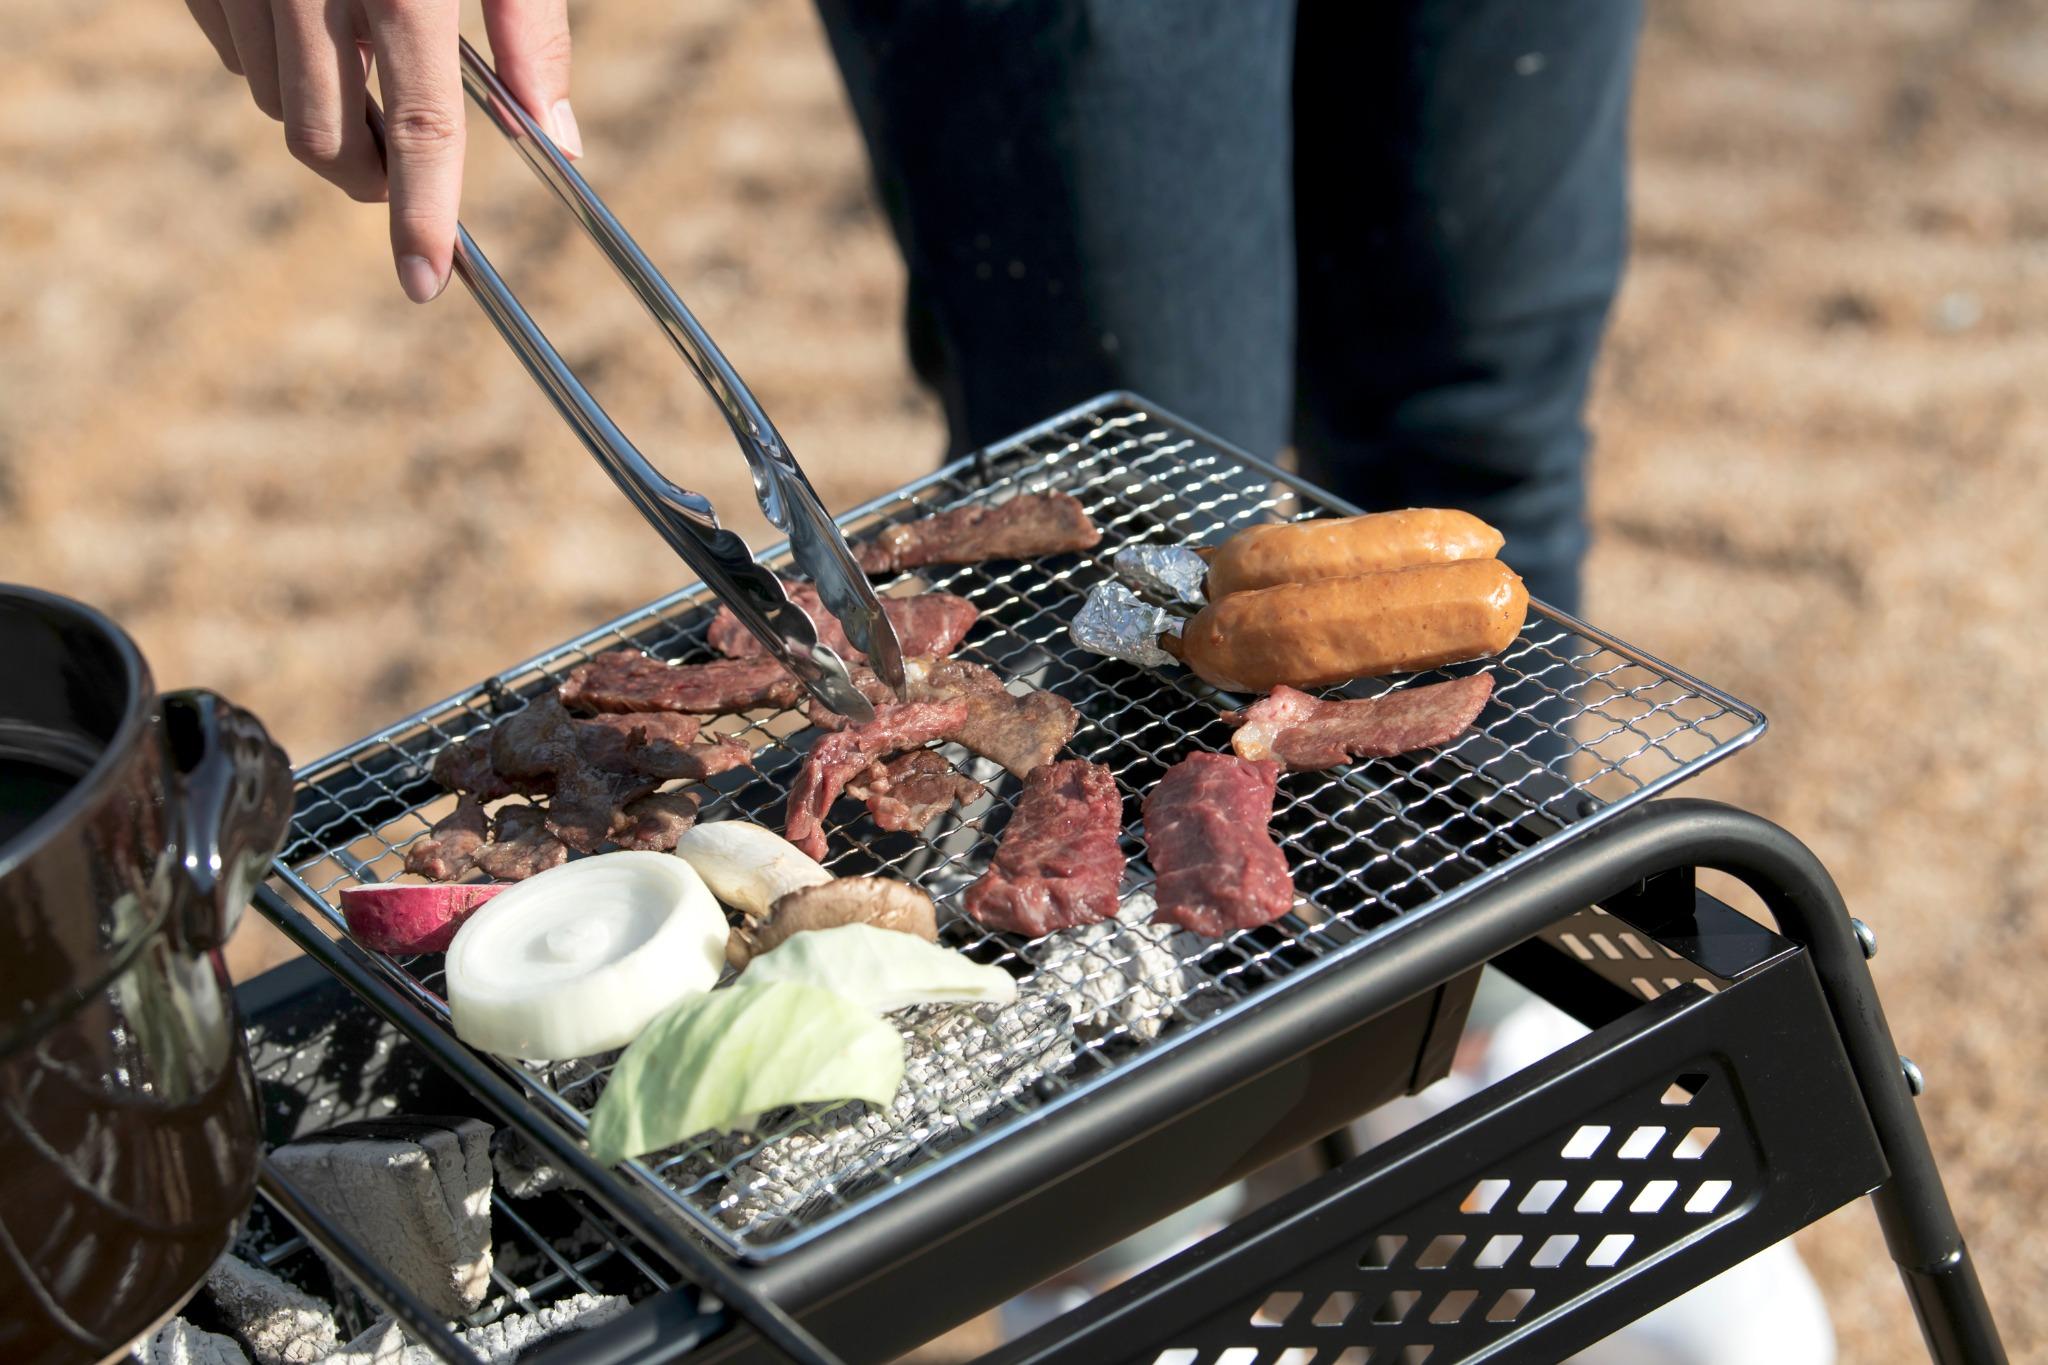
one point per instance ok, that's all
(543, 743)
(908, 792)
(1205, 829)
(1019, 732)
(448, 851)
(1028, 526)
(657, 744)
(1061, 860)
(521, 845)
(928, 623)
(465, 766)
(837, 758)
(1305, 732)
(653, 823)
(627, 680)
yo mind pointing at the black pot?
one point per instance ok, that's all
(132, 827)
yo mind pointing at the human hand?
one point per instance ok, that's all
(308, 61)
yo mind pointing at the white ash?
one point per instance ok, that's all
(1118, 623)
(958, 1065)
(416, 1189)
(385, 1343)
(1119, 974)
(280, 1323)
(523, 1170)
(178, 1342)
(1171, 571)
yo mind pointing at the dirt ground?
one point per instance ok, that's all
(1819, 480)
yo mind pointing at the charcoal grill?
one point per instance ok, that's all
(1532, 841)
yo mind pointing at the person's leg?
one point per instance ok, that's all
(1090, 195)
(1461, 223)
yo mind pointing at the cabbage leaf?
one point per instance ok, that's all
(881, 969)
(718, 1061)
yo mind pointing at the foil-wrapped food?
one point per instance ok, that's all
(1119, 624)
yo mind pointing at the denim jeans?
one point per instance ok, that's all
(1386, 232)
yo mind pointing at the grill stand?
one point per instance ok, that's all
(1779, 1043)
(1791, 1059)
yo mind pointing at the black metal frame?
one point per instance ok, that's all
(1797, 1032)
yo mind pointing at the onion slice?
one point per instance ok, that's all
(580, 958)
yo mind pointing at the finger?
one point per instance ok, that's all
(214, 25)
(256, 46)
(321, 88)
(530, 48)
(415, 42)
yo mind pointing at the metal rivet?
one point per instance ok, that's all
(1866, 936)
(1915, 1082)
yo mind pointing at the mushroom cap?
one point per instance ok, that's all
(880, 901)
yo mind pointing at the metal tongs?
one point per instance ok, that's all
(685, 519)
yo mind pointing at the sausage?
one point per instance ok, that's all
(1342, 547)
(1337, 629)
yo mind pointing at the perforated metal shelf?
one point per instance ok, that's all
(1580, 726)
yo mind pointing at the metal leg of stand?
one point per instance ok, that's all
(1919, 1226)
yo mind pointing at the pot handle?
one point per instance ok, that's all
(233, 792)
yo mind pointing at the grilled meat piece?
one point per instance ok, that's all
(544, 744)
(1019, 732)
(654, 823)
(465, 766)
(657, 744)
(908, 792)
(1060, 861)
(837, 758)
(628, 680)
(521, 845)
(449, 849)
(1305, 732)
(1028, 526)
(1205, 829)
(928, 623)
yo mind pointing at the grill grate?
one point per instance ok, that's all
(1579, 727)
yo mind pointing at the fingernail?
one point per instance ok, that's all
(567, 136)
(416, 274)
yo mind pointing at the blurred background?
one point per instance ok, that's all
(1818, 474)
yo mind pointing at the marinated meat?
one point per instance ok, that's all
(521, 845)
(449, 850)
(1028, 526)
(837, 758)
(906, 793)
(657, 744)
(1061, 860)
(929, 623)
(1305, 732)
(465, 766)
(627, 680)
(653, 823)
(1205, 829)
(544, 744)
(1019, 732)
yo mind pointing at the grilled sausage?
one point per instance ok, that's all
(1342, 547)
(1336, 629)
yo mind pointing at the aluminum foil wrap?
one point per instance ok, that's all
(958, 1065)
(1120, 974)
(1172, 571)
(1116, 622)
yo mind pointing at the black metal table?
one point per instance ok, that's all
(1738, 1084)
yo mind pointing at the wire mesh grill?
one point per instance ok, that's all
(1579, 726)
